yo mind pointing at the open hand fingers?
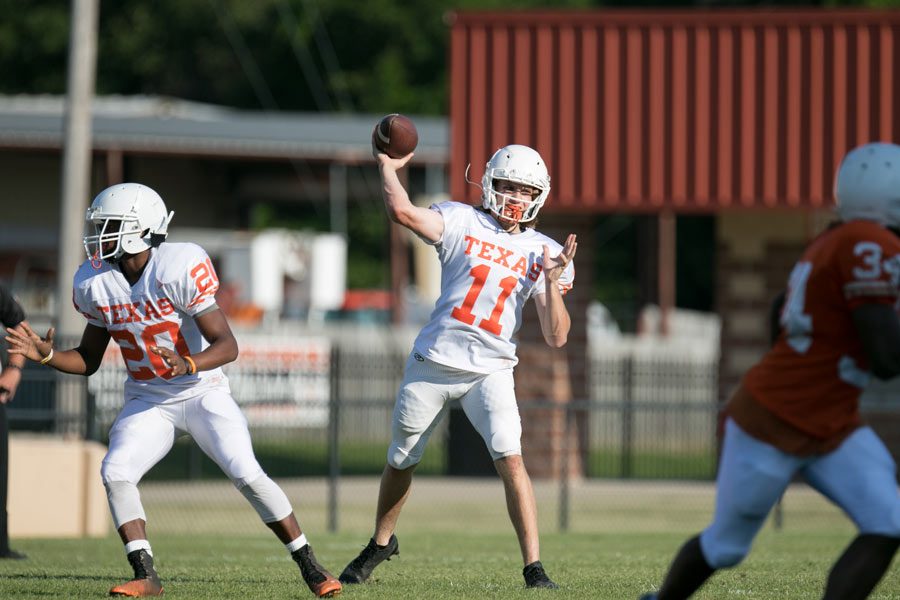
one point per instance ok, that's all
(16, 334)
(172, 360)
(25, 329)
(570, 247)
(18, 339)
(20, 342)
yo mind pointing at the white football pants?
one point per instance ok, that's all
(489, 402)
(144, 432)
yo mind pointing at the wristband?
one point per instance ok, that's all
(47, 358)
(192, 366)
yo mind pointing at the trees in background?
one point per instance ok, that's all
(299, 55)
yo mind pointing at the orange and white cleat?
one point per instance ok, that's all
(320, 581)
(146, 581)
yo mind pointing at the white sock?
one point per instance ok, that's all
(138, 545)
(297, 544)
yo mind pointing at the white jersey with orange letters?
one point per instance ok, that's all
(178, 284)
(487, 276)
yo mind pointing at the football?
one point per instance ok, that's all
(396, 135)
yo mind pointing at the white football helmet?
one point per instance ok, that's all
(867, 185)
(126, 218)
(519, 164)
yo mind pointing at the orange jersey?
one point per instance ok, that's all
(813, 376)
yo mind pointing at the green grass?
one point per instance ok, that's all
(464, 564)
(696, 465)
(292, 458)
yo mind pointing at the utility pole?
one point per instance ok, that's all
(76, 172)
(76, 157)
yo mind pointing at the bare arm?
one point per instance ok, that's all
(223, 348)
(81, 360)
(879, 331)
(552, 313)
(426, 223)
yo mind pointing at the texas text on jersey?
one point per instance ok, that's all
(487, 276)
(177, 285)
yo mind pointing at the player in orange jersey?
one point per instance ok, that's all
(157, 301)
(797, 410)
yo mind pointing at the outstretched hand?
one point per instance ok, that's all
(177, 365)
(22, 340)
(555, 265)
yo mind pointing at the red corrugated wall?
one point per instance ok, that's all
(693, 110)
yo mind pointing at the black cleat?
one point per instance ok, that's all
(12, 555)
(146, 581)
(535, 577)
(320, 581)
(648, 597)
(372, 555)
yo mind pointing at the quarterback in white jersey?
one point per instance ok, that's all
(492, 262)
(487, 276)
(157, 301)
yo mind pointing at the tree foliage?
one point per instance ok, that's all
(301, 55)
(342, 55)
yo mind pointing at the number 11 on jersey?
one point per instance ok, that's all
(464, 312)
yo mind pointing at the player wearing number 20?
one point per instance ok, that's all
(492, 262)
(157, 301)
(797, 410)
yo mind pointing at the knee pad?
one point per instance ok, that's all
(400, 459)
(110, 471)
(269, 500)
(124, 502)
(505, 444)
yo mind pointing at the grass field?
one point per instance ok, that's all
(461, 565)
(455, 542)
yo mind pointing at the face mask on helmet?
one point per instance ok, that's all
(867, 185)
(513, 168)
(125, 219)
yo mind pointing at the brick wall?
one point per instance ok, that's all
(755, 253)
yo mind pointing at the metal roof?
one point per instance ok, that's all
(145, 124)
(683, 109)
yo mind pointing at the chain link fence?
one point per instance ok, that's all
(320, 416)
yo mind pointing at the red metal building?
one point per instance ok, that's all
(740, 114)
(696, 111)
